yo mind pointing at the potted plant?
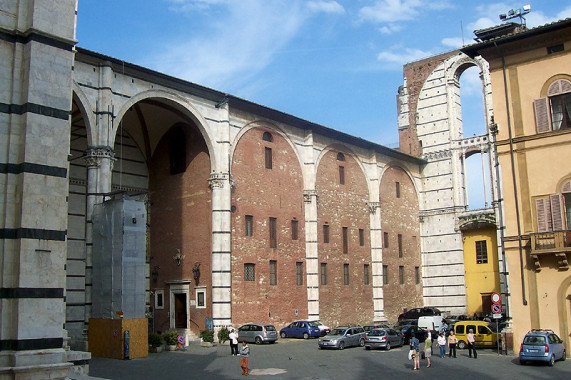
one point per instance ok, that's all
(170, 338)
(223, 335)
(155, 343)
(207, 338)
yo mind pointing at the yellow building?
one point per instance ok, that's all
(531, 88)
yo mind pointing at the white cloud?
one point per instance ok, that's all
(399, 10)
(399, 56)
(390, 28)
(236, 41)
(325, 7)
(453, 42)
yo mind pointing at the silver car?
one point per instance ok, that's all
(257, 333)
(343, 336)
(383, 338)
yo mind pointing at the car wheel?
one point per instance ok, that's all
(388, 347)
(342, 345)
(283, 335)
(461, 345)
(305, 336)
(258, 340)
(522, 362)
(362, 343)
(564, 356)
(551, 360)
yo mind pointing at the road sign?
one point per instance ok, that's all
(496, 297)
(496, 308)
(497, 316)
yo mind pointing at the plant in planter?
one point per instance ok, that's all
(207, 337)
(223, 334)
(170, 338)
(155, 342)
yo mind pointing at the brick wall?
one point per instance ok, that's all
(264, 193)
(341, 206)
(400, 216)
(181, 219)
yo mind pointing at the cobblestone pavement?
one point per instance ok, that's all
(299, 359)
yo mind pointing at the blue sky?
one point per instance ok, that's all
(335, 63)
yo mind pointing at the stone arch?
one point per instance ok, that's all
(348, 153)
(85, 106)
(563, 301)
(274, 128)
(193, 113)
(550, 81)
(398, 164)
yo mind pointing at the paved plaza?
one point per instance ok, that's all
(299, 359)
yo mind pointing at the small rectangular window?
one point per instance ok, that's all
(273, 233)
(268, 157)
(299, 272)
(398, 189)
(555, 49)
(200, 298)
(249, 272)
(385, 274)
(273, 272)
(417, 275)
(385, 240)
(341, 175)
(294, 229)
(399, 236)
(159, 299)
(249, 225)
(481, 252)
(345, 240)
(323, 273)
(346, 274)
(326, 233)
(361, 237)
(401, 275)
(366, 274)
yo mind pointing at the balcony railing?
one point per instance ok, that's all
(556, 243)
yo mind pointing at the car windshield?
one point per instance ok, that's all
(338, 331)
(377, 333)
(270, 328)
(533, 340)
(313, 324)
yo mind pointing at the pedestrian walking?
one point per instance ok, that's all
(442, 344)
(244, 355)
(428, 349)
(233, 336)
(471, 344)
(414, 347)
(452, 340)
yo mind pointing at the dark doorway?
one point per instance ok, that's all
(180, 317)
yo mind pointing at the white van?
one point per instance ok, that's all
(432, 322)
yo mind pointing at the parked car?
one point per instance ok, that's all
(343, 336)
(541, 346)
(368, 328)
(324, 330)
(452, 319)
(257, 333)
(383, 338)
(408, 331)
(485, 333)
(301, 329)
(418, 312)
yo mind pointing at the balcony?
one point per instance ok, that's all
(556, 243)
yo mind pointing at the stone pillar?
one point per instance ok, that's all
(36, 74)
(311, 254)
(221, 185)
(377, 262)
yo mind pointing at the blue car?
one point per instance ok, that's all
(541, 346)
(300, 329)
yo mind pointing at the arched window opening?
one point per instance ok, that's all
(478, 182)
(267, 136)
(340, 157)
(472, 103)
(554, 111)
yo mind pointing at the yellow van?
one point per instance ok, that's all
(484, 333)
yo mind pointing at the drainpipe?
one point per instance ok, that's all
(520, 246)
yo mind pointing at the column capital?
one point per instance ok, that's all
(217, 180)
(373, 206)
(95, 154)
(308, 195)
